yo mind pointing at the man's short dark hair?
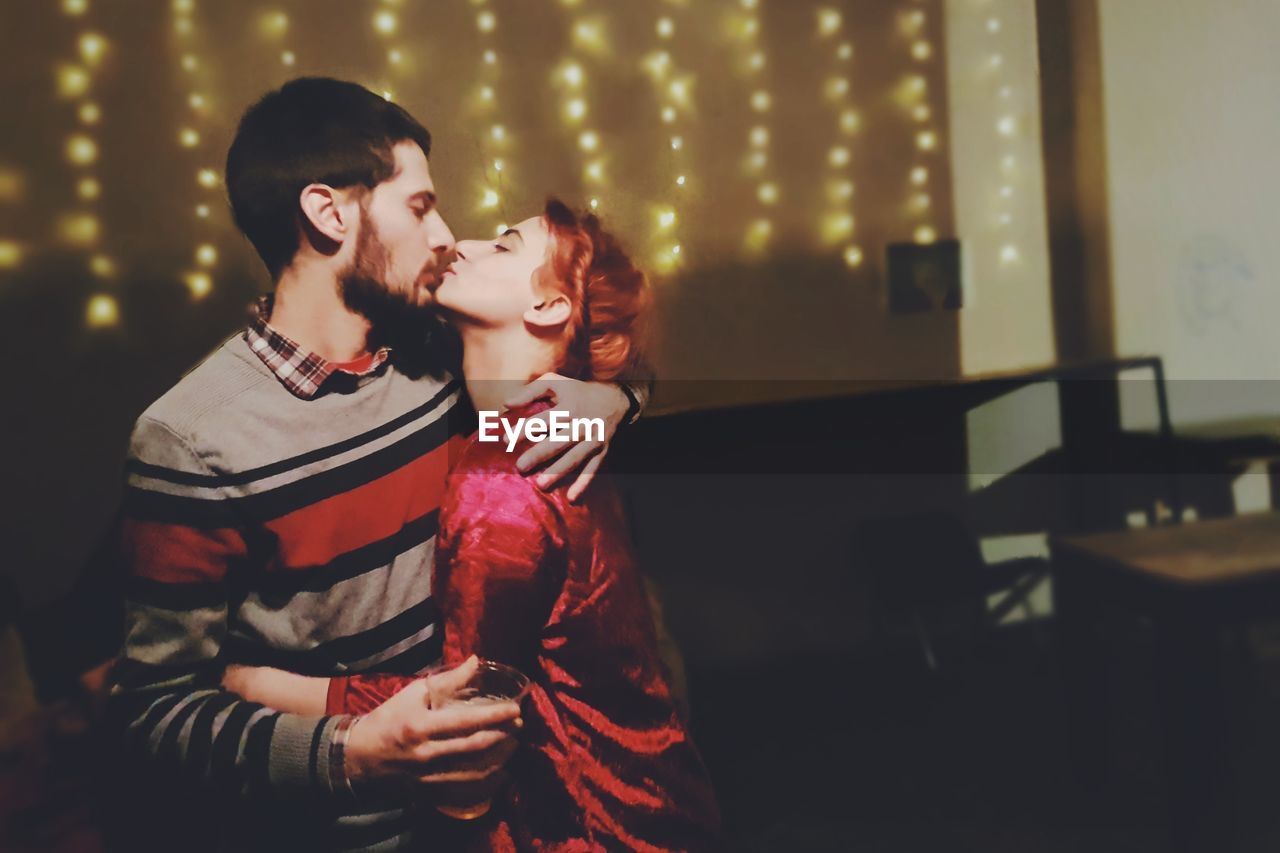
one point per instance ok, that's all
(310, 130)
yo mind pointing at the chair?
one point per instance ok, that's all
(924, 563)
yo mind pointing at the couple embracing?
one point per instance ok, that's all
(321, 552)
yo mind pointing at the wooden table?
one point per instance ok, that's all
(1192, 581)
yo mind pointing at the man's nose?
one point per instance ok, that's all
(440, 237)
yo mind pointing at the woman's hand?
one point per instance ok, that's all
(278, 689)
(580, 399)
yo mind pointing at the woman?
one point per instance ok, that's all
(527, 578)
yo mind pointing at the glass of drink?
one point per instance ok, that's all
(492, 682)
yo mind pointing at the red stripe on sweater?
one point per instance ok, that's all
(172, 553)
(316, 534)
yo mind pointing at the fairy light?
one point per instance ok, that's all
(913, 98)
(838, 226)
(1006, 134)
(274, 28)
(11, 252)
(495, 174)
(101, 311)
(673, 89)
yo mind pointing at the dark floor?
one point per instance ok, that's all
(875, 753)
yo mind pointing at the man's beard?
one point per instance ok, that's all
(395, 319)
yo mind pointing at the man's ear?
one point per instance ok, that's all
(554, 310)
(322, 206)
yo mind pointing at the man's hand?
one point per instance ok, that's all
(580, 399)
(415, 737)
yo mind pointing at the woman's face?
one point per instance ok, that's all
(493, 282)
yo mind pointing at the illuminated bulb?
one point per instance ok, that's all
(927, 140)
(844, 52)
(184, 7)
(199, 284)
(75, 7)
(572, 74)
(589, 35)
(274, 24)
(679, 90)
(921, 201)
(88, 189)
(10, 254)
(921, 113)
(1009, 163)
(750, 27)
(207, 178)
(490, 57)
(395, 56)
(921, 51)
(588, 140)
(760, 101)
(995, 61)
(501, 229)
(828, 22)
(675, 250)
(666, 28)
(202, 211)
(1005, 219)
(498, 165)
(288, 58)
(756, 61)
(757, 160)
(750, 4)
(850, 122)
(837, 87)
(89, 113)
(1009, 254)
(679, 180)
(917, 85)
(387, 95)
(926, 235)
(759, 136)
(919, 176)
(669, 114)
(1007, 126)
(206, 255)
(78, 228)
(92, 48)
(666, 218)
(758, 234)
(1006, 92)
(189, 62)
(594, 170)
(102, 266)
(993, 25)
(839, 191)
(384, 22)
(188, 138)
(838, 157)
(498, 132)
(81, 150)
(677, 143)
(595, 203)
(837, 227)
(490, 199)
(767, 193)
(73, 81)
(196, 100)
(183, 26)
(486, 93)
(853, 257)
(657, 63)
(486, 22)
(101, 312)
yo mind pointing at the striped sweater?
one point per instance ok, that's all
(270, 528)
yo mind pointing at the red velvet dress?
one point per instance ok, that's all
(527, 578)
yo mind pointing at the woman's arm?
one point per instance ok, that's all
(278, 689)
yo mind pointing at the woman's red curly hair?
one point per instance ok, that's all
(611, 297)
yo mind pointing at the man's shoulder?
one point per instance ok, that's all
(212, 384)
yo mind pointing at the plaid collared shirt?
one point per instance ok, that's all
(301, 371)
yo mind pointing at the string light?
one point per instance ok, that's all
(491, 186)
(913, 98)
(273, 26)
(11, 252)
(101, 311)
(674, 92)
(744, 29)
(1006, 127)
(838, 224)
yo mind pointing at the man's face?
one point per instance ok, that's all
(403, 239)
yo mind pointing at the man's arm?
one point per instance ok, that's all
(181, 541)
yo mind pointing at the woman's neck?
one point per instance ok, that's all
(496, 363)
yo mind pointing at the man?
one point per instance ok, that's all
(282, 497)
